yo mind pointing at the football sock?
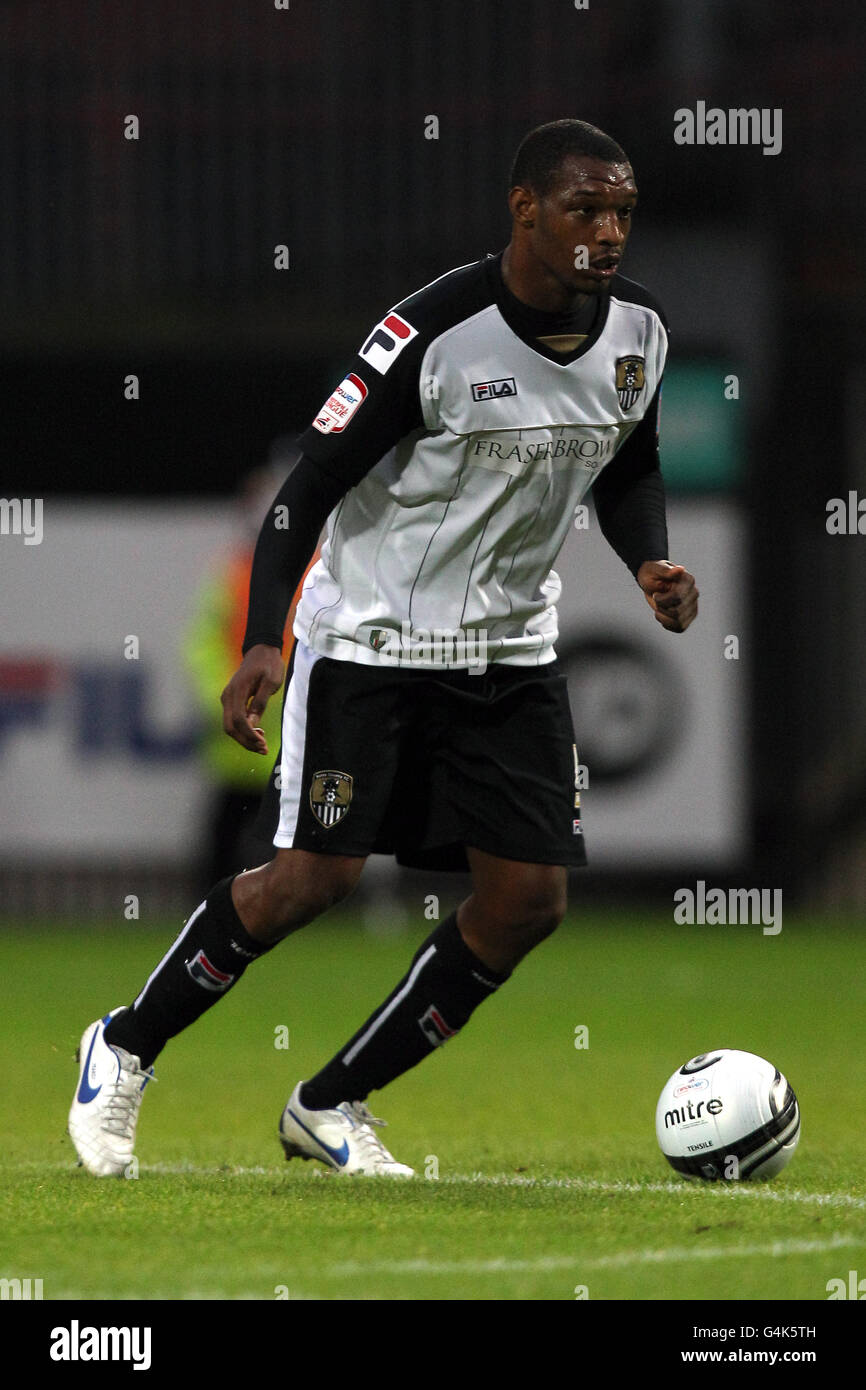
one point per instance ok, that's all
(207, 959)
(444, 985)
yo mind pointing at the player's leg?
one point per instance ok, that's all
(513, 907)
(495, 786)
(204, 963)
(240, 920)
(513, 798)
(465, 959)
(323, 838)
(245, 915)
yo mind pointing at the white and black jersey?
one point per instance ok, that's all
(460, 445)
(469, 444)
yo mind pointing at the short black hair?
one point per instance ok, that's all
(541, 153)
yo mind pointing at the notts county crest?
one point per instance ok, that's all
(630, 380)
(330, 797)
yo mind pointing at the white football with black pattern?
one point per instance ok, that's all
(728, 1116)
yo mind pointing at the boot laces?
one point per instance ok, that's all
(370, 1143)
(124, 1098)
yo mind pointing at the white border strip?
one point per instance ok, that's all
(294, 744)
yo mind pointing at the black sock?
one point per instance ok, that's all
(207, 959)
(444, 985)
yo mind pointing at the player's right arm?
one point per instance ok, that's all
(375, 405)
(309, 495)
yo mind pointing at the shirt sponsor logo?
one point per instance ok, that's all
(513, 451)
(341, 405)
(386, 342)
(493, 390)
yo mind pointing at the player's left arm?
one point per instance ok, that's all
(630, 505)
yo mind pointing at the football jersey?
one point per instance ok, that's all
(467, 445)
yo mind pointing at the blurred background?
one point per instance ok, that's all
(205, 209)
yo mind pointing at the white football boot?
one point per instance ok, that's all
(342, 1138)
(104, 1111)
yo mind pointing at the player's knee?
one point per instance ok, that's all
(539, 918)
(530, 918)
(504, 943)
(297, 890)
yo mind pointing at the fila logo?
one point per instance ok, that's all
(205, 973)
(492, 390)
(341, 405)
(386, 342)
(434, 1027)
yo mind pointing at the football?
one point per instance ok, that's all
(726, 1116)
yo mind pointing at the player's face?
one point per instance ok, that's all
(581, 226)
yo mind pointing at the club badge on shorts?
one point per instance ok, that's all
(630, 380)
(330, 797)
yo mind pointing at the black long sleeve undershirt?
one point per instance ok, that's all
(631, 514)
(310, 495)
(630, 498)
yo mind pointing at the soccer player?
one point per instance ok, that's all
(424, 713)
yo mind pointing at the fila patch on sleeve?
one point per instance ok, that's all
(387, 341)
(466, 446)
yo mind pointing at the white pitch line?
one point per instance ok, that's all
(551, 1263)
(691, 1190)
(720, 1191)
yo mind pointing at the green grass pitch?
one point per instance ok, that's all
(549, 1179)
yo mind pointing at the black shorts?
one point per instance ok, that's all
(420, 764)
